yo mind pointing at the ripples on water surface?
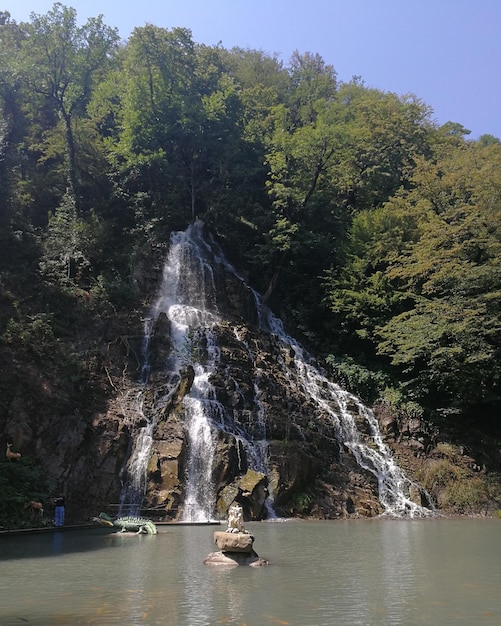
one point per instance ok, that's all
(343, 573)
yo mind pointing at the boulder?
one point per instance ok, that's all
(234, 559)
(234, 542)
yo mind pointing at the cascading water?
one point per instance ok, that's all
(189, 299)
(340, 406)
(134, 475)
(141, 429)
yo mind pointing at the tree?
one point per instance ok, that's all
(359, 293)
(12, 119)
(301, 142)
(448, 342)
(156, 117)
(384, 134)
(62, 63)
(311, 81)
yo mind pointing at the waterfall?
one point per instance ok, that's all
(141, 427)
(190, 298)
(375, 456)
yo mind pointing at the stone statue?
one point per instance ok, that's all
(235, 544)
(235, 519)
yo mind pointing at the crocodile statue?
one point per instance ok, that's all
(129, 523)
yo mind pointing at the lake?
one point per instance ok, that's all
(344, 573)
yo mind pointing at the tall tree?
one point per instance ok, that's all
(311, 81)
(420, 287)
(449, 342)
(301, 142)
(62, 62)
(384, 134)
(157, 116)
(12, 119)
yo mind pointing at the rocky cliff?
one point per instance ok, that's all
(281, 445)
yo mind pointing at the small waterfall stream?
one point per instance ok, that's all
(189, 299)
(374, 456)
(141, 428)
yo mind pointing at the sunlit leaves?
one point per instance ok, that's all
(421, 281)
(156, 91)
(453, 333)
(62, 62)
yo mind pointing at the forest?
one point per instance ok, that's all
(373, 232)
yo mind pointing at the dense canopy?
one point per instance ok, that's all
(374, 233)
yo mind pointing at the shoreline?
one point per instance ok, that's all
(93, 526)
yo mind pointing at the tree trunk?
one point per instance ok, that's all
(71, 171)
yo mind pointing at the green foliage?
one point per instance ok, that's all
(365, 382)
(20, 482)
(451, 484)
(447, 342)
(359, 293)
(301, 503)
(372, 232)
(35, 333)
(420, 283)
(61, 62)
(399, 403)
(65, 257)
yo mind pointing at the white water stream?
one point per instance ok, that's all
(188, 297)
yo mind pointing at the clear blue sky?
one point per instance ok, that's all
(447, 52)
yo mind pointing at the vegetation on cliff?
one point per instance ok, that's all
(372, 232)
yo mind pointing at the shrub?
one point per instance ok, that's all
(20, 482)
(453, 487)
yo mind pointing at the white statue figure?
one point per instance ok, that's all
(235, 519)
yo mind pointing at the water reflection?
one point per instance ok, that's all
(28, 545)
(197, 595)
(376, 573)
(400, 568)
(57, 543)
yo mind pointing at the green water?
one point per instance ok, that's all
(346, 573)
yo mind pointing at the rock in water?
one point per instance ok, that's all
(233, 559)
(234, 542)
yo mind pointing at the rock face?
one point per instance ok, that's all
(271, 435)
(310, 474)
(306, 465)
